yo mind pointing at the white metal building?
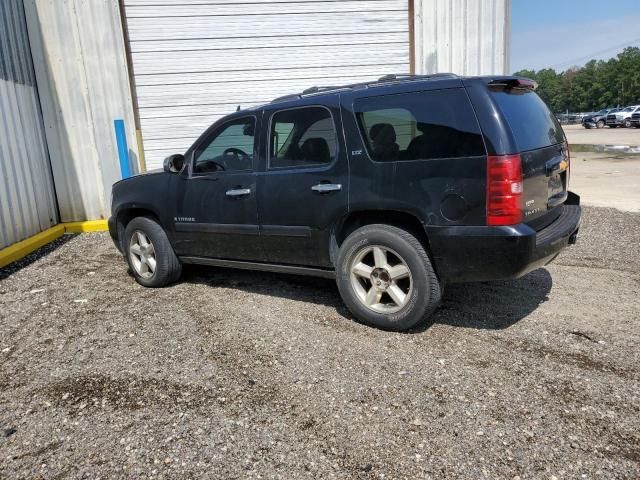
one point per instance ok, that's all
(170, 68)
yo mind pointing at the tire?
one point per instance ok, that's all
(403, 252)
(167, 267)
(600, 124)
(627, 123)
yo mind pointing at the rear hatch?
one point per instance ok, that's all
(543, 150)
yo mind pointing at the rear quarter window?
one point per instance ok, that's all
(435, 124)
(531, 122)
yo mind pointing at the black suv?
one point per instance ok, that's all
(394, 188)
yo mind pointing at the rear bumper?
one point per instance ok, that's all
(472, 254)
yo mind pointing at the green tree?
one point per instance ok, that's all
(598, 84)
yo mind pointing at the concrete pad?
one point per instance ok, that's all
(577, 134)
(607, 180)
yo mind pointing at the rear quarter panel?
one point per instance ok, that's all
(433, 190)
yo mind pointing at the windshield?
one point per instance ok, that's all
(628, 109)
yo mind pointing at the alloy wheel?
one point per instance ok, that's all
(142, 254)
(381, 279)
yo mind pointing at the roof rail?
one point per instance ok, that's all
(310, 91)
(386, 78)
(318, 89)
(412, 76)
(285, 98)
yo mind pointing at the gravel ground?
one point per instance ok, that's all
(254, 375)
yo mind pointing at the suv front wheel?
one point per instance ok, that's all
(149, 253)
(386, 279)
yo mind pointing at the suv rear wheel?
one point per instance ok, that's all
(149, 253)
(386, 279)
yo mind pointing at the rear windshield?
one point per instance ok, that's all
(531, 122)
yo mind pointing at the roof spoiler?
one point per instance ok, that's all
(514, 82)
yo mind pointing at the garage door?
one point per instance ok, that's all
(197, 60)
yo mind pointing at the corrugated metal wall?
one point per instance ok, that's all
(27, 201)
(467, 37)
(81, 71)
(196, 60)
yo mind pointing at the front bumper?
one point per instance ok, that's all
(476, 254)
(113, 231)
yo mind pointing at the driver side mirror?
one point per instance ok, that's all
(174, 163)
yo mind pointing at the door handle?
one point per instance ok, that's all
(238, 192)
(326, 187)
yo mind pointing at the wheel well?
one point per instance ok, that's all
(125, 216)
(128, 214)
(355, 220)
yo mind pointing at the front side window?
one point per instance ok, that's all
(302, 137)
(230, 149)
(419, 126)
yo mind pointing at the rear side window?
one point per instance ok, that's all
(302, 137)
(419, 126)
(532, 123)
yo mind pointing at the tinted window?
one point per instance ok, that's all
(531, 122)
(302, 137)
(419, 125)
(230, 148)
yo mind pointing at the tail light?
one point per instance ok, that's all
(505, 197)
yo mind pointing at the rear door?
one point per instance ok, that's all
(303, 185)
(534, 132)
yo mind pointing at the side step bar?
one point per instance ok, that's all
(263, 267)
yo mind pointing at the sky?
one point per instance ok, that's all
(563, 33)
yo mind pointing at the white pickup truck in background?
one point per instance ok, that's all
(623, 117)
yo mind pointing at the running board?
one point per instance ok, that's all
(263, 267)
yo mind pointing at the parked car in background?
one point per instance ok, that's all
(567, 118)
(622, 118)
(635, 120)
(395, 188)
(597, 119)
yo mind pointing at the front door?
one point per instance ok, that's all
(303, 184)
(216, 214)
